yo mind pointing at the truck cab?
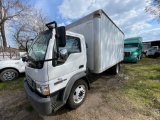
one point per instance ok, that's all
(132, 49)
(54, 61)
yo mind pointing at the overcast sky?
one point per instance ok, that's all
(129, 15)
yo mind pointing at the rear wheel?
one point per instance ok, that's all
(77, 94)
(8, 74)
(116, 69)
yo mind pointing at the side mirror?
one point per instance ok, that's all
(63, 53)
(24, 59)
(61, 36)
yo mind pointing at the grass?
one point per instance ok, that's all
(140, 89)
(12, 85)
(29, 108)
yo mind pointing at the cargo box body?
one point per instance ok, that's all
(104, 40)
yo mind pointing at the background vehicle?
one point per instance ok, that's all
(152, 52)
(154, 47)
(58, 65)
(10, 69)
(133, 49)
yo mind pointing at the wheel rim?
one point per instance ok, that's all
(79, 94)
(9, 75)
(117, 69)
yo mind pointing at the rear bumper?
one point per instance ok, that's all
(129, 59)
(41, 105)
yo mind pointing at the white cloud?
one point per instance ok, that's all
(129, 15)
(61, 24)
(151, 34)
(73, 9)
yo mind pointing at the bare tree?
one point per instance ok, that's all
(8, 10)
(20, 35)
(39, 20)
(154, 8)
(28, 27)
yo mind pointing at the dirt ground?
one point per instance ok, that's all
(15, 106)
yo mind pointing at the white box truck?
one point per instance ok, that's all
(58, 61)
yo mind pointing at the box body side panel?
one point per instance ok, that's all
(112, 44)
(105, 42)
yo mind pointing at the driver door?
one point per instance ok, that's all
(61, 71)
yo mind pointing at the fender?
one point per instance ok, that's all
(3, 68)
(71, 82)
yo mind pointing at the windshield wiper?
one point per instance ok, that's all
(32, 62)
(31, 59)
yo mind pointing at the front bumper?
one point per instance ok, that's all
(130, 59)
(40, 104)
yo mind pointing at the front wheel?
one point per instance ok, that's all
(8, 74)
(77, 94)
(137, 59)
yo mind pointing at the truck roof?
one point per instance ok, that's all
(89, 17)
(133, 40)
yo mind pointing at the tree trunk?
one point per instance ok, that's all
(2, 30)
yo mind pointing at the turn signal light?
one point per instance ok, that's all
(97, 15)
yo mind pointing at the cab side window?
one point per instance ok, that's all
(73, 45)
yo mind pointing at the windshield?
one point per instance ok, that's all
(131, 45)
(38, 50)
(152, 50)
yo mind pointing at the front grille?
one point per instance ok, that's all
(31, 83)
(126, 54)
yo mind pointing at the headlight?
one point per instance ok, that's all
(43, 89)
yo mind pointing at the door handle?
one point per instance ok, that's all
(81, 66)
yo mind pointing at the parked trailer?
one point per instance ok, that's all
(57, 65)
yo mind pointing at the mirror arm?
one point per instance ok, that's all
(57, 43)
(56, 35)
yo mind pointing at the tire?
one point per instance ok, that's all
(137, 60)
(115, 69)
(8, 74)
(80, 88)
(156, 55)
